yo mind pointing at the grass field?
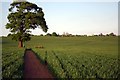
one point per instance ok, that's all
(68, 57)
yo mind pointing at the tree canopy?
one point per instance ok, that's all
(24, 16)
(54, 34)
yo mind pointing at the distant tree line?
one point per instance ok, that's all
(110, 34)
(71, 35)
(53, 34)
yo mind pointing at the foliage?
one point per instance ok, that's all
(48, 34)
(23, 17)
(112, 34)
(54, 34)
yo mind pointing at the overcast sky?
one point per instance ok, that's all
(75, 17)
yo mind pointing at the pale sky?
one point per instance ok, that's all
(75, 17)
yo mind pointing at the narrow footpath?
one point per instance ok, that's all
(33, 68)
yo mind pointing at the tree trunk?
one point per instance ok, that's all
(20, 44)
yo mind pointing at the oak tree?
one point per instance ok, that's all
(24, 16)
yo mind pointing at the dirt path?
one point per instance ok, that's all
(33, 68)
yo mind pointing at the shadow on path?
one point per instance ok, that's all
(33, 68)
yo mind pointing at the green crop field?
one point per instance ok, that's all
(12, 59)
(67, 57)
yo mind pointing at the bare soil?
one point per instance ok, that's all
(33, 68)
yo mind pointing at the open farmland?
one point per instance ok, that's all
(12, 59)
(67, 57)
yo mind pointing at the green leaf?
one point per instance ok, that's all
(24, 16)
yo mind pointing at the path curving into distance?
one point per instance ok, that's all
(33, 68)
